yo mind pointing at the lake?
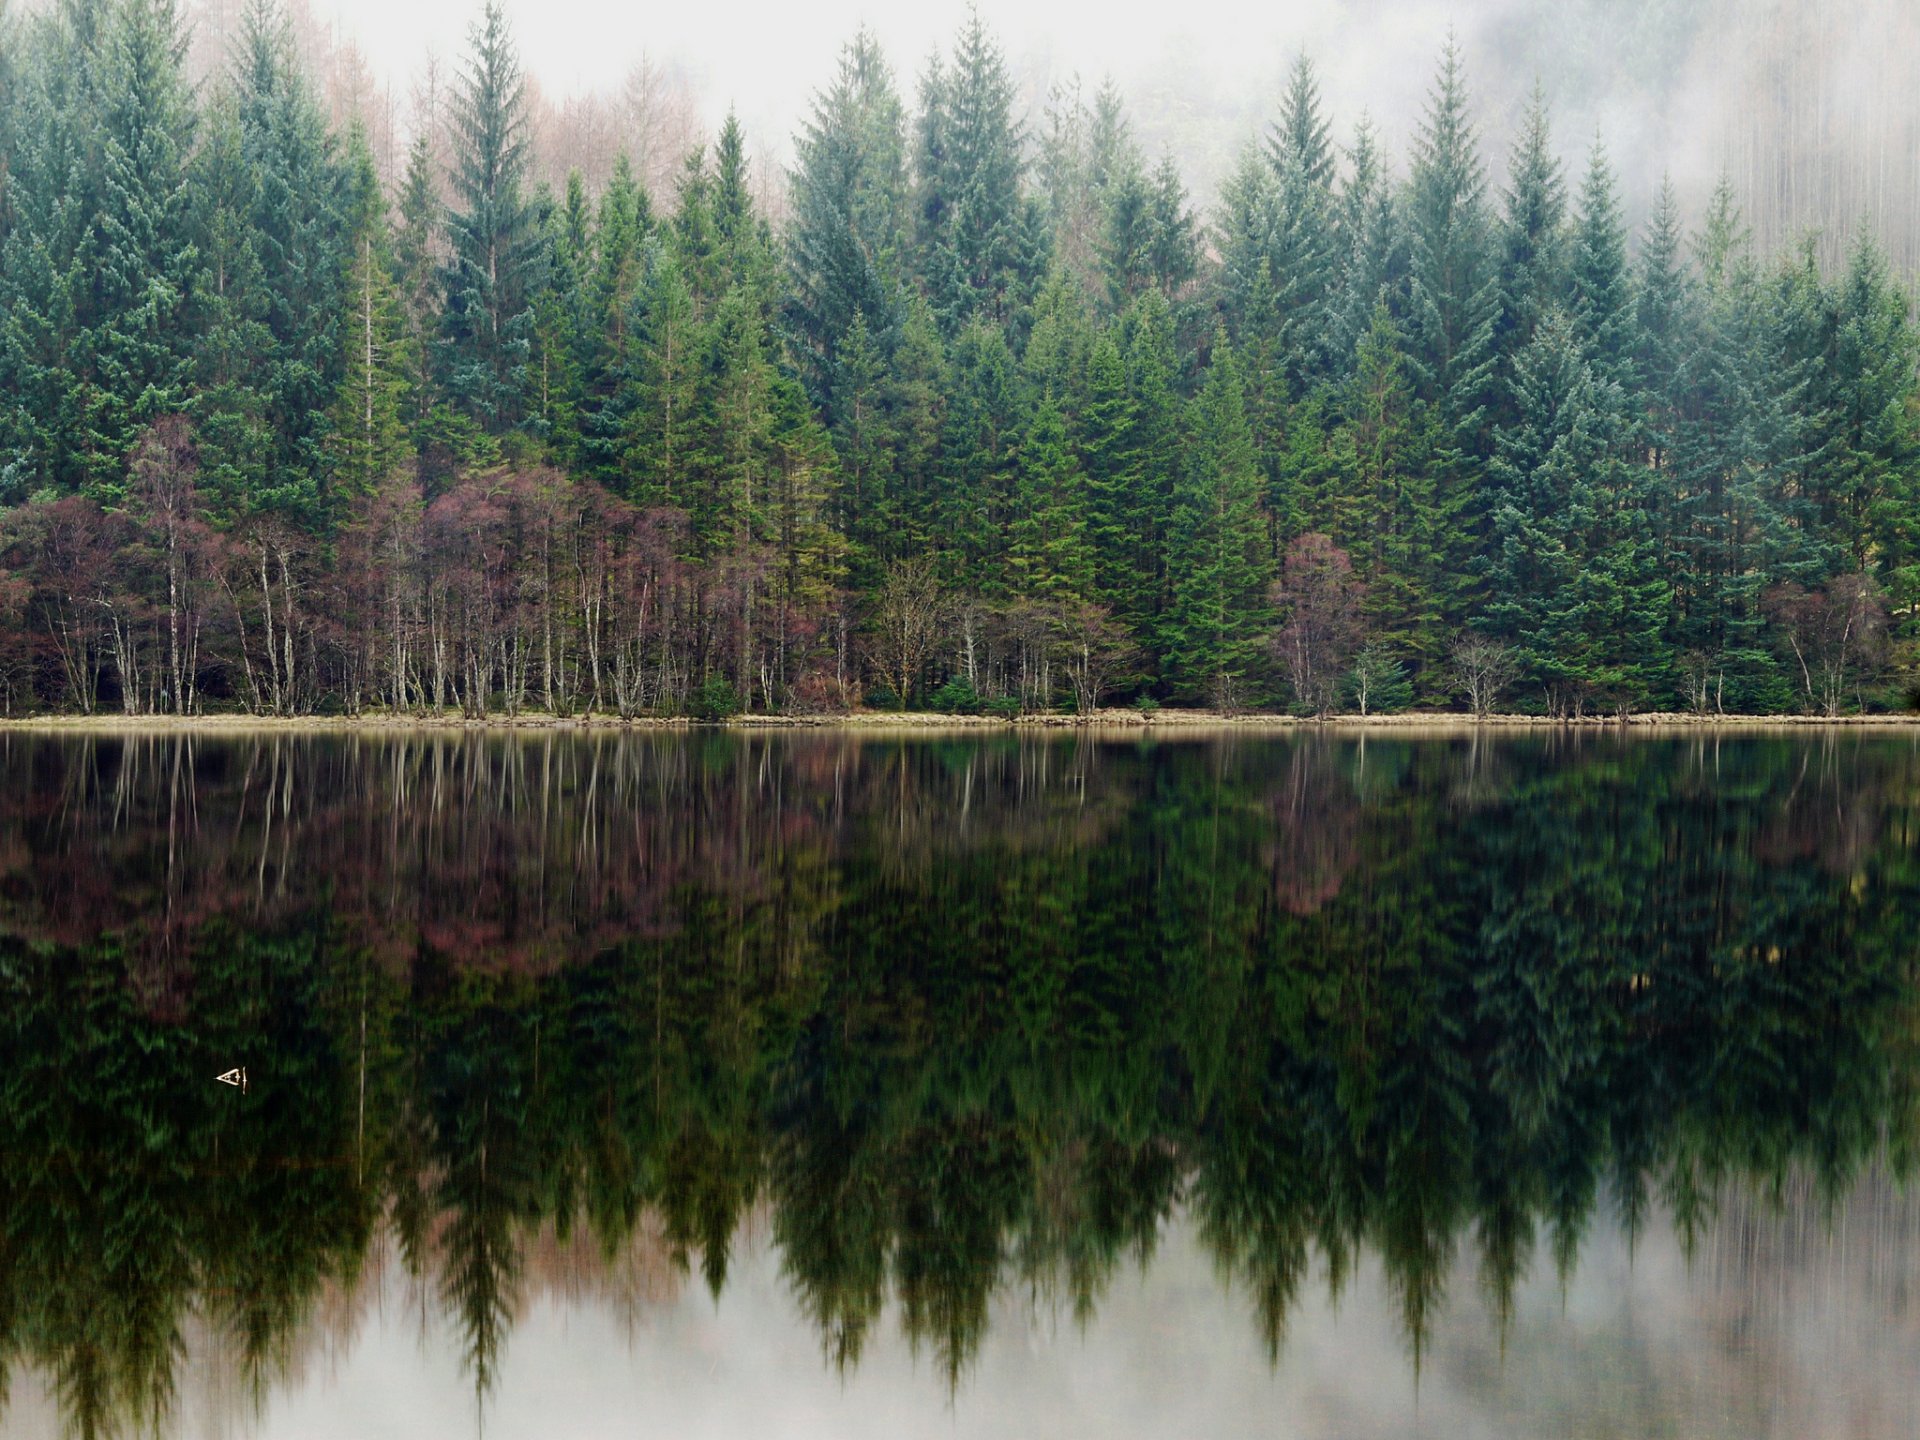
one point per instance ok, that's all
(826, 1084)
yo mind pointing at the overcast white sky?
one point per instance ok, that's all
(1223, 59)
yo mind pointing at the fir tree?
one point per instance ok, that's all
(496, 264)
(1218, 553)
(297, 232)
(982, 241)
(846, 242)
(367, 440)
(1048, 556)
(135, 357)
(235, 346)
(1452, 300)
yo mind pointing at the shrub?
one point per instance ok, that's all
(881, 697)
(956, 697)
(1146, 705)
(1003, 707)
(714, 699)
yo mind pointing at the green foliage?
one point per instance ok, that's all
(714, 699)
(999, 355)
(1218, 556)
(497, 263)
(956, 697)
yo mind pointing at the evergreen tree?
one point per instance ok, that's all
(657, 399)
(1453, 296)
(417, 263)
(367, 440)
(1219, 558)
(1048, 555)
(865, 507)
(235, 345)
(846, 240)
(1396, 523)
(496, 263)
(1532, 275)
(1119, 517)
(135, 358)
(608, 352)
(979, 449)
(1153, 444)
(1303, 255)
(982, 240)
(559, 313)
(297, 227)
(1599, 285)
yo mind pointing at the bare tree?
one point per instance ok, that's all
(1837, 635)
(1320, 598)
(1481, 669)
(905, 624)
(1097, 652)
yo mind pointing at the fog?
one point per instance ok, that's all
(1782, 1326)
(1806, 106)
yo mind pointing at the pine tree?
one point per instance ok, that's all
(658, 393)
(608, 353)
(496, 265)
(1048, 556)
(367, 440)
(417, 264)
(1372, 255)
(234, 346)
(978, 451)
(1302, 260)
(555, 398)
(982, 241)
(847, 239)
(1218, 555)
(1453, 296)
(49, 295)
(1396, 507)
(1153, 443)
(1119, 520)
(865, 501)
(297, 226)
(136, 355)
(1599, 284)
(1532, 275)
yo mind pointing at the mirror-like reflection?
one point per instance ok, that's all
(949, 1018)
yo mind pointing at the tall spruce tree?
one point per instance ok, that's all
(1219, 559)
(234, 344)
(1302, 259)
(134, 361)
(367, 436)
(1048, 556)
(1453, 297)
(298, 235)
(496, 261)
(847, 238)
(1532, 274)
(982, 240)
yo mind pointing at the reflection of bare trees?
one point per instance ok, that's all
(505, 851)
(1317, 830)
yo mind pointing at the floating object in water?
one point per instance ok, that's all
(236, 1077)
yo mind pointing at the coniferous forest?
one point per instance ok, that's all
(996, 417)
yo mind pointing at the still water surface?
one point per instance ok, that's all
(827, 1085)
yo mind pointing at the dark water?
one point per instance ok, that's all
(818, 1085)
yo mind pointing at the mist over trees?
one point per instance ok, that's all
(975, 407)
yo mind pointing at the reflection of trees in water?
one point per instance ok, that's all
(960, 1016)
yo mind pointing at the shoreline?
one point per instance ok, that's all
(1123, 721)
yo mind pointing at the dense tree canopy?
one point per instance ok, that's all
(475, 443)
